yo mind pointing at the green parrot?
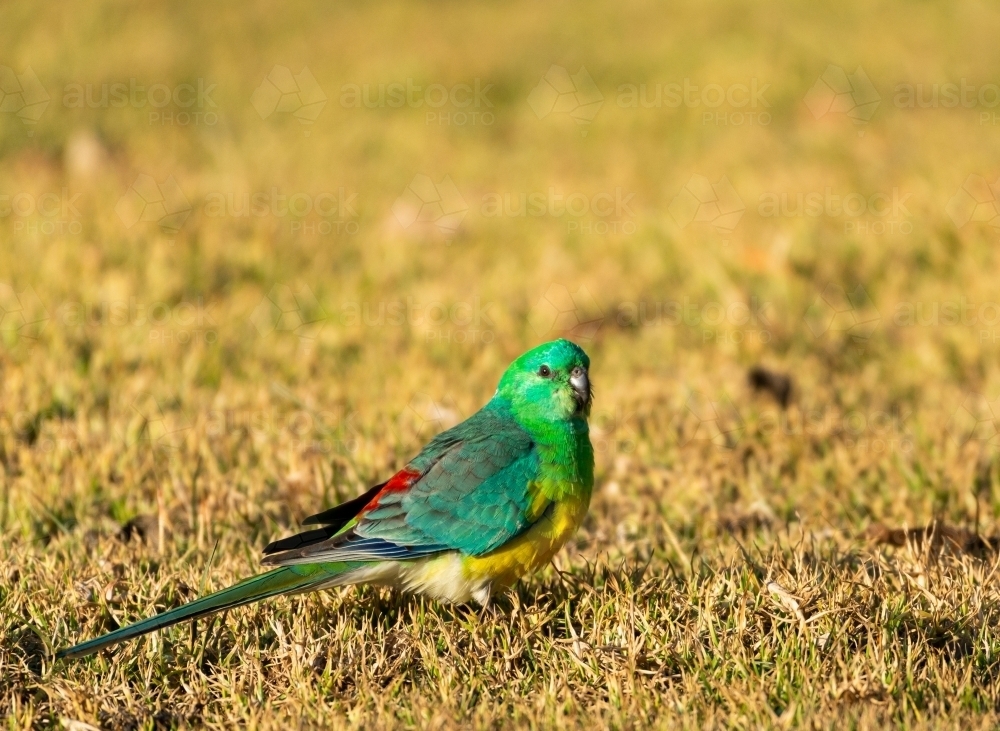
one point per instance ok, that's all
(484, 503)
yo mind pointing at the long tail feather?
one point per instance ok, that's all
(286, 580)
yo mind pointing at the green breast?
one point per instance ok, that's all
(566, 462)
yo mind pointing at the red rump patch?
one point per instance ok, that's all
(399, 482)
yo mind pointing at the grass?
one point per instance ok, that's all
(160, 423)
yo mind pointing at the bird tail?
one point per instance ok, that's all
(285, 580)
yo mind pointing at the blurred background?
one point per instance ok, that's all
(251, 257)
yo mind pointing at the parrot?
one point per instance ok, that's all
(482, 504)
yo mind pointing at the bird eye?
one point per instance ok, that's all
(545, 371)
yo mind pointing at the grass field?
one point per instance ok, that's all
(254, 257)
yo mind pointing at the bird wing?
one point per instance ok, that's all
(471, 489)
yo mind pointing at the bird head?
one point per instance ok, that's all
(549, 383)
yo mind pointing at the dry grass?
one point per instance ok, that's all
(729, 573)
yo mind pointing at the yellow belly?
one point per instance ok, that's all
(529, 551)
(457, 578)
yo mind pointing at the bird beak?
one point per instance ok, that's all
(580, 382)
